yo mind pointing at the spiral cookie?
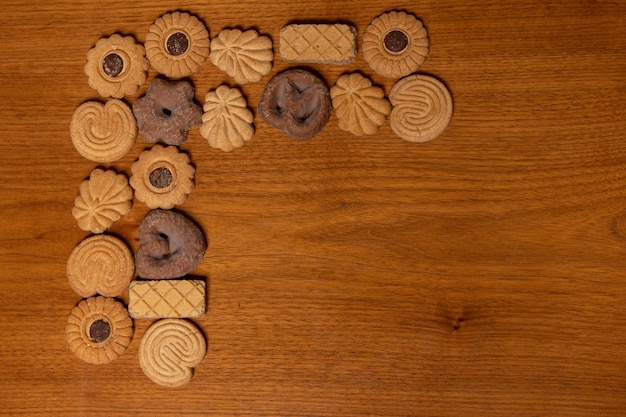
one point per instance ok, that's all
(361, 108)
(169, 351)
(98, 330)
(102, 200)
(162, 177)
(421, 108)
(116, 66)
(103, 132)
(395, 44)
(227, 121)
(177, 44)
(100, 264)
(245, 56)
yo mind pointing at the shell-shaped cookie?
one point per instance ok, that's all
(102, 200)
(227, 121)
(245, 56)
(361, 108)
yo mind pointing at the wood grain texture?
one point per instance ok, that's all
(478, 274)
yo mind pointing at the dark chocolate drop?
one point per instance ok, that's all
(396, 41)
(177, 43)
(112, 65)
(99, 331)
(161, 177)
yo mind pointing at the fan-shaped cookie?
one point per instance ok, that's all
(227, 121)
(102, 200)
(422, 108)
(361, 108)
(103, 132)
(395, 44)
(245, 56)
(177, 44)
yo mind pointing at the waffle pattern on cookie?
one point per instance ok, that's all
(324, 43)
(167, 299)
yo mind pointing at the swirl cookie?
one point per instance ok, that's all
(98, 330)
(116, 66)
(167, 112)
(162, 177)
(103, 132)
(318, 43)
(169, 351)
(361, 108)
(395, 44)
(102, 200)
(227, 121)
(421, 108)
(177, 44)
(245, 56)
(100, 264)
(296, 102)
(171, 245)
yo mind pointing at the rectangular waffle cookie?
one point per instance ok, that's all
(183, 298)
(318, 43)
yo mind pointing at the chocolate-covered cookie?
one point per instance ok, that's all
(296, 102)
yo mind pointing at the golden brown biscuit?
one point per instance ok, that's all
(318, 43)
(167, 298)
(102, 200)
(227, 120)
(103, 132)
(98, 330)
(361, 108)
(177, 44)
(116, 66)
(245, 56)
(162, 177)
(169, 351)
(100, 264)
(422, 108)
(395, 44)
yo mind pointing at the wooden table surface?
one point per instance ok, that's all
(482, 273)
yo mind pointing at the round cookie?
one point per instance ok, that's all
(177, 44)
(162, 177)
(102, 199)
(103, 132)
(422, 108)
(100, 264)
(169, 351)
(116, 66)
(296, 102)
(98, 330)
(245, 56)
(395, 44)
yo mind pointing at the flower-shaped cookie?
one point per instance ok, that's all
(167, 112)
(395, 44)
(177, 44)
(116, 66)
(102, 200)
(245, 56)
(227, 121)
(162, 177)
(361, 108)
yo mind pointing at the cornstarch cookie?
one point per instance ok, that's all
(102, 200)
(162, 177)
(177, 44)
(116, 66)
(171, 245)
(169, 298)
(103, 132)
(421, 108)
(395, 44)
(318, 43)
(98, 330)
(361, 108)
(245, 56)
(296, 102)
(170, 350)
(100, 264)
(227, 120)
(167, 112)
